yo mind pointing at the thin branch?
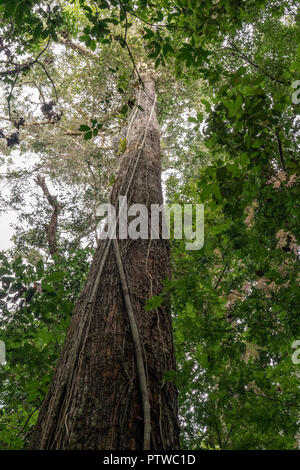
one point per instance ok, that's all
(10, 94)
(221, 276)
(163, 25)
(30, 123)
(9, 425)
(235, 50)
(18, 68)
(128, 48)
(48, 75)
(40, 92)
(26, 66)
(42, 51)
(28, 418)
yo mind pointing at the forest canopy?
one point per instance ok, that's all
(227, 77)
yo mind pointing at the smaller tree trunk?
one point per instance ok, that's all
(52, 226)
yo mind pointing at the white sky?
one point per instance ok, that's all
(6, 231)
(17, 162)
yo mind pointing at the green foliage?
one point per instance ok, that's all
(35, 308)
(225, 73)
(234, 302)
(90, 131)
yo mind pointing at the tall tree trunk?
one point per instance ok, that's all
(95, 399)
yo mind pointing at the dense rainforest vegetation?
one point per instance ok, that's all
(74, 75)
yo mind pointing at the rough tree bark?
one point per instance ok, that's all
(94, 400)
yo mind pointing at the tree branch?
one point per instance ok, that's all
(76, 47)
(52, 227)
(280, 151)
(235, 50)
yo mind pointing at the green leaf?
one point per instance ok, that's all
(84, 128)
(153, 303)
(94, 122)
(93, 44)
(207, 105)
(215, 230)
(88, 135)
(56, 276)
(211, 189)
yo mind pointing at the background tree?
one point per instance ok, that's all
(229, 139)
